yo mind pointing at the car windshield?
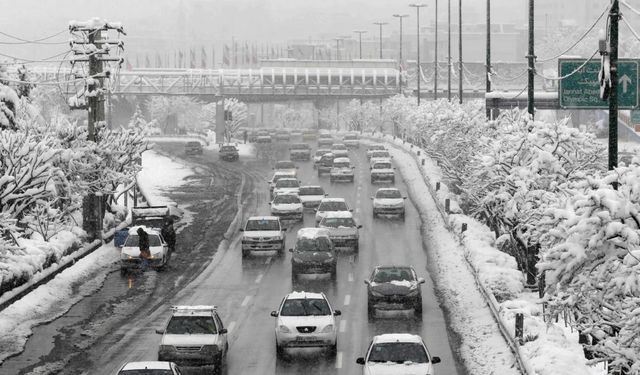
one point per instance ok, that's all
(191, 325)
(299, 147)
(380, 154)
(317, 244)
(333, 206)
(193, 144)
(376, 147)
(228, 148)
(382, 166)
(341, 165)
(132, 240)
(146, 372)
(322, 152)
(388, 194)
(350, 137)
(337, 222)
(288, 182)
(339, 147)
(285, 165)
(278, 177)
(305, 307)
(387, 275)
(254, 225)
(311, 191)
(398, 352)
(286, 199)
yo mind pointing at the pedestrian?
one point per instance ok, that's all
(245, 135)
(169, 234)
(143, 244)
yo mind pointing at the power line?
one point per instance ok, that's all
(630, 7)
(29, 61)
(493, 72)
(606, 10)
(35, 41)
(633, 31)
(568, 74)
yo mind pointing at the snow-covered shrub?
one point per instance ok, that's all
(361, 116)
(238, 111)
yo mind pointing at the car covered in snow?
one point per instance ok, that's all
(318, 155)
(397, 353)
(311, 195)
(309, 134)
(351, 140)
(286, 166)
(286, 185)
(340, 150)
(130, 251)
(313, 253)
(342, 228)
(382, 171)
(194, 336)
(149, 368)
(305, 320)
(325, 140)
(283, 136)
(300, 151)
(325, 164)
(276, 177)
(388, 201)
(263, 233)
(394, 288)
(377, 156)
(263, 136)
(287, 206)
(375, 147)
(229, 152)
(330, 205)
(341, 170)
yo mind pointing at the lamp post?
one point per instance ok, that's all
(380, 24)
(400, 17)
(435, 56)
(418, 6)
(337, 47)
(360, 32)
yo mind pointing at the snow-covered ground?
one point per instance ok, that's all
(159, 174)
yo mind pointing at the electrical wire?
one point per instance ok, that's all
(569, 74)
(633, 31)
(21, 60)
(630, 7)
(35, 41)
(606, 10)
(520, 93)
(493, 73)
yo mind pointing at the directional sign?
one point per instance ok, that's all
(582, 89)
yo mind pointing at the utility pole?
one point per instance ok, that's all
(400, 17)
(488, 60)
(435, 57)
(380, 24)
(337, 47)
(460, 50)
(360, 32)
(614, 15)
(531, 57)
(419, 70)
(449, 50)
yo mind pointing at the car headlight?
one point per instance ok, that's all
(209, 348)
(376, 294)
(296, 260)
(327, 329)
(284, 329)
(330, 260)
(412, 292)
(167, 348)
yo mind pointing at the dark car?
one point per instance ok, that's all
(313, 254)
(394, 288)
(326, 163)
(229, 153)
(193, 148)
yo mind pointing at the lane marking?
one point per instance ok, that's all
(359, 187)
(347, 299)
(339, 360)
(211, 182)
(350, 277)
(245, 301)
(231, 326)
(259, 278)
(268, 260)
(343, 325)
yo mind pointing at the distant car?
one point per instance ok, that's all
(300, 151)
(325, 140)
(375, 147)
(318, 156)
(330, 205)
(149, 368)
(306, 320)
(287, 206)
(626, 157)
(286, 186)
(388, 201)
(277, 176)
(130, 252)
(377, 156)
(313, 253)
(340, 150)
(283, 136)
(263, 233)
(286, 166)
(351, 140)
(343, 230)
(229, 152)
(311, 196)
(394, 288)
(263, 136)
(309, 134)
(397, 353)
(193, 148)
(194, 336)
(382, 171)
(325, 164)
(341, 170)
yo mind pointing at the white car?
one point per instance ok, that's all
(318, 155)
(305, 320)
(330, 205)
(277, 176)
(342, 170)
(388, 201)
(339, 150)
(286, 186)
(311, 196)
(287, 206)
(343, 230)
(375, 147)
(263, 233)
(130, 252)
(194, 335)
(286, 166)
(149, 368)
(397, 353)
(382, 171)
(351, 140)
(325, 140)
(377, 156)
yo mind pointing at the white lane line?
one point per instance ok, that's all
(211, 182)
(359, 187)
(245, 301)
(343, 325)
(339, 360)
(231, 326)
(268, 260)
(350, 277)
(347, 299)
(357, 210)
(259, 278)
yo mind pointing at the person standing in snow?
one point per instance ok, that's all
(244, 134)
(143, 244)
(169, 234)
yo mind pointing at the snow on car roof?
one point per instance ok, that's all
(147, 365)
(397, 337)
(134, 230)
(303, 294)
(263, 218)
(310, 187)
(342, 160)
(339, 215)
(312, 233)
(333, 200)
(388, 189)
(284, 173)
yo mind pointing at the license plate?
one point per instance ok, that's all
(306, 338)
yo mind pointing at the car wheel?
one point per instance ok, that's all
(217, 365)
(356, 248)
(123, 271)
(375, 215)
(333, 350)
(371, 311)
(281, 250)
(418, 307)
(372, 180)
(402, 216)
(245, 253)
(319, 173)
(279, 351)
(334, 272)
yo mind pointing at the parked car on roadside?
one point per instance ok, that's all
(130, 252)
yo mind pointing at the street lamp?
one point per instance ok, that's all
(380, 24)
(338, 47)
(400, 17)
(360, 32)
(435, 57)
(418, 6)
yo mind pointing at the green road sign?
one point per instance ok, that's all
(635, 117)
(582, 89)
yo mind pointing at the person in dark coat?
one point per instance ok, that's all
(143, 244)
(169, 234)
(245, 135)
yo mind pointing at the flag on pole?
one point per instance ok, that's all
(254, 55)
(203, 61)
(137, 62)
(158, 60)
(246, 53)
(226, 58)
(192, 58)
(147, 62)
(180, 59)
(213, 57)
(129, 67)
